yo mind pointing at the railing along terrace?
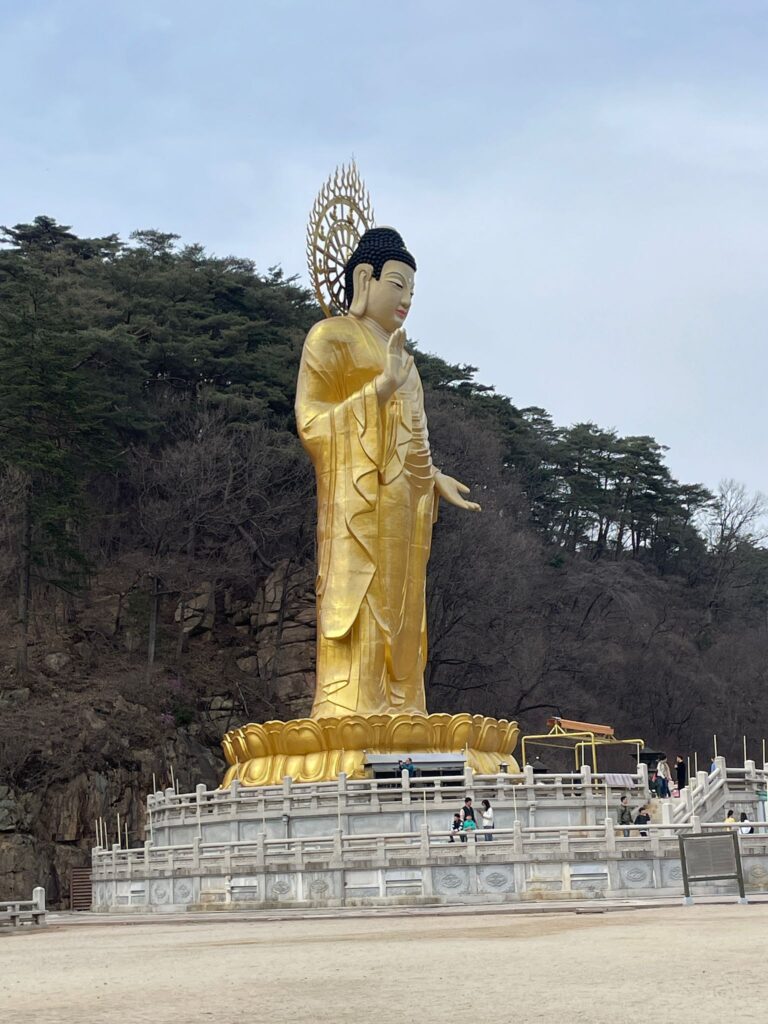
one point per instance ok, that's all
(346, 850)
(707, 789)
(365, 793)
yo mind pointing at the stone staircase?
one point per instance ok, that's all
(710, 794)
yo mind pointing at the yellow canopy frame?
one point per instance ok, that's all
(578, 736)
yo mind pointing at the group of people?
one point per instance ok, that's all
(642, 817)
(744, 824)
(661, 783)
(625, 816)
(465, 821)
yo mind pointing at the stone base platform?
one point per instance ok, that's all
(317, 750)
(388, 841)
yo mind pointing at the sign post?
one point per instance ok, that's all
(710, 857)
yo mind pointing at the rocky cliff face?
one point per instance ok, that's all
(48, 812)
(75, 746)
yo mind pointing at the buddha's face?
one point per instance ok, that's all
(389, 298)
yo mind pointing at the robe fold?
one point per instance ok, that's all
(376, 506)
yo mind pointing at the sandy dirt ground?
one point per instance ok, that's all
(701, 963)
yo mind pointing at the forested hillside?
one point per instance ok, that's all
(156, 545)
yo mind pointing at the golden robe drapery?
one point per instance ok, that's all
(376, 506)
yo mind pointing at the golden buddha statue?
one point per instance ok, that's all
(360, 415)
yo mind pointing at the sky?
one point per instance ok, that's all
(583, 182)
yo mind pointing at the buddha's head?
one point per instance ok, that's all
(379, 278)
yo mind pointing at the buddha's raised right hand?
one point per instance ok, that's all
(396, 367)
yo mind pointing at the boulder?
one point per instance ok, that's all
(55, 663)
(198, 610)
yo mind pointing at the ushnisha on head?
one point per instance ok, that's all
(379, 278)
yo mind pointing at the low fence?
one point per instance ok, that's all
(18, 912)
(377, 805)
(380, 839)
(422, 866)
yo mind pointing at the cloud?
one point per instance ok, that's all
(724, 131)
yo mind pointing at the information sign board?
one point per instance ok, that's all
(711, 857)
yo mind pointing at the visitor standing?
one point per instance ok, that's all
(625, 814)
(729, 818)
(468, 823)
(712, 765)
(663, 775)
(487, 820)
(681, 772)
(745, 825)
(643, 818)
(455, 826)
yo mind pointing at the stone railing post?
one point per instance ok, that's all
(751, 772)
(702, 781)
(610, 835)
(38, 897)
(642, 771)
(587, 795)
(471, 846)
(424, 841)
(261, 850)
(469, 781)
(696, 823)
(115, 851)
(565, 842)
(200, 791)
(405, 783)
(287, 780)
(502, 782)
(517, 837)
(655, 838)
(341, 796)
(234, 799)
(337, 859)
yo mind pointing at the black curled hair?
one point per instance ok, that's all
(376, 247)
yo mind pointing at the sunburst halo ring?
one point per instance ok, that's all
(342, 213)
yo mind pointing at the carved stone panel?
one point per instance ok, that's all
(452, 881)
(636, 874)
(498, 878)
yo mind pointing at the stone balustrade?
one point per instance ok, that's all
(18, 912)
(380, 805)
(346, 842)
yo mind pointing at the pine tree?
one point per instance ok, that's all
(69, 396)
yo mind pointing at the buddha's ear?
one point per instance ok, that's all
(361, 282)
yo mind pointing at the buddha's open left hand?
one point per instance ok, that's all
(453, 492)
